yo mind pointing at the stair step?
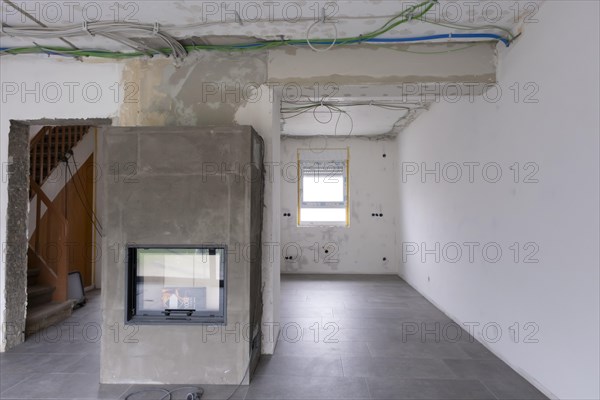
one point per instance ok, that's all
(43, 316)
(39, 294)
(32, 275)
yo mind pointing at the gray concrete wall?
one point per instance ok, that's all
(16, 234)
(207, 89)
(176, 197)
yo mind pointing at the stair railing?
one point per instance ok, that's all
(49, 146)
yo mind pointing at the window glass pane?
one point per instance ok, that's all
(323, 215)
(322, 188)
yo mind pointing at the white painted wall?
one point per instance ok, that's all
(362, 246)
(37, 87)
(559, 133)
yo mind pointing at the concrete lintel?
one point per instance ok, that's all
(373, 64)
(419, 92)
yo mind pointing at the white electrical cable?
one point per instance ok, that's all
(392, 105)
(317, 119)
(117, 31)
(303, 107)
(173, 28)
(332, 43)
(338, 122)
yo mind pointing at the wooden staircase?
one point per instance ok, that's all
(47, 273)
(48, 148)
(41, 310)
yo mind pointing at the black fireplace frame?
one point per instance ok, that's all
(176, 317)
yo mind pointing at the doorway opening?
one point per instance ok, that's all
(53, 232)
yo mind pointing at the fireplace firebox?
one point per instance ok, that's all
(176, 284)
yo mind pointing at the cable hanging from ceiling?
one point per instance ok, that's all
(332, 107)
(131, 35)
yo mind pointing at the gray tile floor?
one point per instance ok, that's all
(343, 337)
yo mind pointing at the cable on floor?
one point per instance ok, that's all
(195, 392)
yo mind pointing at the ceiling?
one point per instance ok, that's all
(224, 22)
(344, 117)
(269, 20)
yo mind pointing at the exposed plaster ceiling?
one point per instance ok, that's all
(370, 118)
(377, 109)
(349, 121)
(225, 22)
(278, 19)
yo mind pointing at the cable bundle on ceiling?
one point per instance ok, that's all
(129, 34)
(122, 32)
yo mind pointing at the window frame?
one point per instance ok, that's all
(327, 167)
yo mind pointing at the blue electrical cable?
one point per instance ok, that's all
(442, 36)
(502, 39)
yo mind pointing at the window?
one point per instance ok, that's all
(323, 187)
(176, 284)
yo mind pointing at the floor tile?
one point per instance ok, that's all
(322, 348)
(481, 369)
(393, 368)
(513, 389)
(63, 386)
(9, 379)
(428, 389)
(321, 388)
(396, 348)
(277, 365)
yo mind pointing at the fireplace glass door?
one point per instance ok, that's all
(176, 284)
